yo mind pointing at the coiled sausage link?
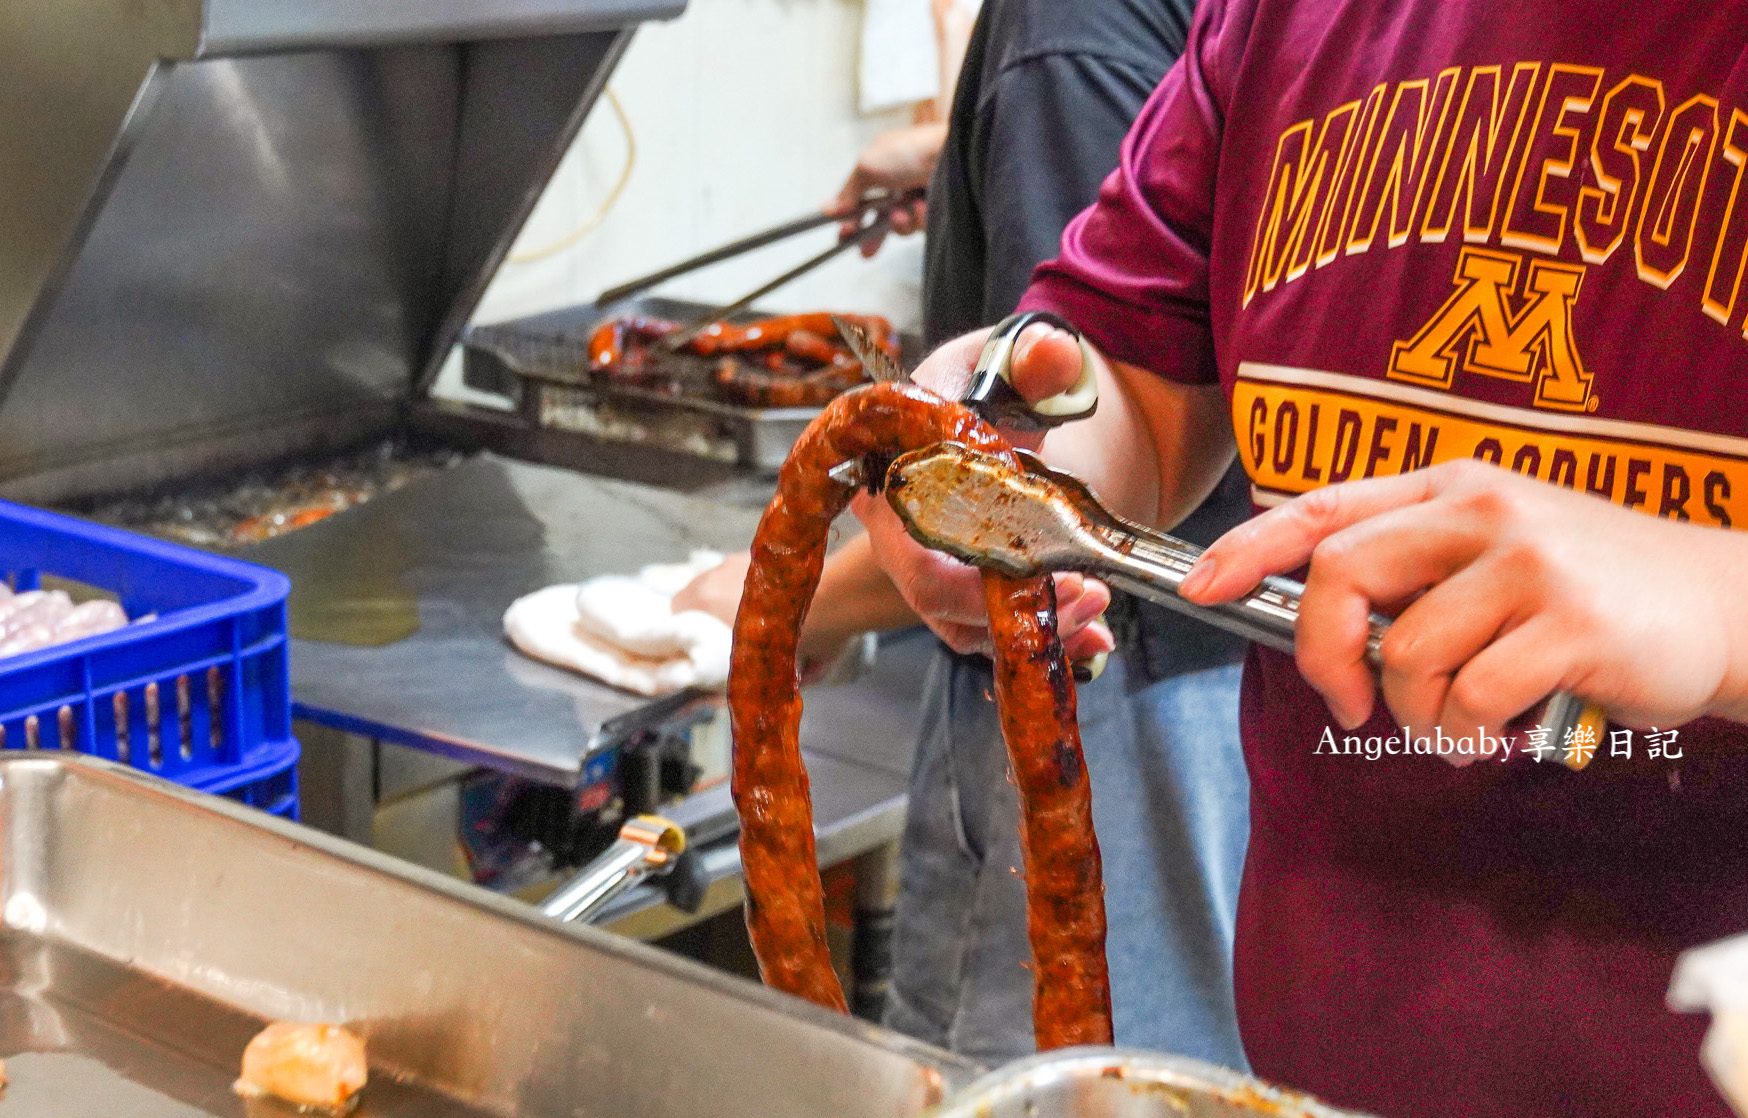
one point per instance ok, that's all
(785, 902)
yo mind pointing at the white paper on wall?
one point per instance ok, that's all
(899, 63)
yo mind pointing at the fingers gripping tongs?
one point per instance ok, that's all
(979, 508)
(1035, 520)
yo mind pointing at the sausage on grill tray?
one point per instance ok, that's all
(790, 361)
(619, 339)
(729, 337)
(779, 385)
(1034, 689)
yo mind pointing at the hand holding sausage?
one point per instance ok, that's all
(947, 594)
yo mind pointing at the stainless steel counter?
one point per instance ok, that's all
(435, 564)
(447, 554)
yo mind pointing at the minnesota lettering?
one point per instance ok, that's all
(1540, 172)
(1485, 155)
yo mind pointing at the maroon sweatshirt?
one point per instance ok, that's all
(1399, 233)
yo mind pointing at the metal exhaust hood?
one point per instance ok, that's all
(237, 228)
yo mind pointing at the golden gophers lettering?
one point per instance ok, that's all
(1302, 428)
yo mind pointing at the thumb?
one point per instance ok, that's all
(850, 193)
(1046, 362)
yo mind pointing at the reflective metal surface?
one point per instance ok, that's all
(149, 931)
(94, 1038)
(461, 545)
(73, 70)
(458, 548)
(285, 278)
(1125, 1083)
(257, 25)
(212, 256)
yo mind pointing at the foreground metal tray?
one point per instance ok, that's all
(149, 931)
(1125, 1083)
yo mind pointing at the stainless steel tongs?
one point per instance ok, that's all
(978, 508)
(647, 846)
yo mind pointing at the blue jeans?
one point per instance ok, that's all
(1171, 807)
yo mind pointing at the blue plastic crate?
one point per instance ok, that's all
(201, 695)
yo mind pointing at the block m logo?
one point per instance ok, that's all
(1490, 327)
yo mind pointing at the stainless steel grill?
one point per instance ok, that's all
(266, 501)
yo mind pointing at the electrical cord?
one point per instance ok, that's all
(593, 221)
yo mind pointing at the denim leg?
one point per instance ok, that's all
(1170, 803)
(960, 955)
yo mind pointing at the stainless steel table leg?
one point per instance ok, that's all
(337, 775)
(871, 953)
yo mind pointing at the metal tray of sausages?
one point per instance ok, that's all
(149, 931)
(541, 363)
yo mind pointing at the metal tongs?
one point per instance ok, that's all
(979, 508)
(648, 845)
(872, 215)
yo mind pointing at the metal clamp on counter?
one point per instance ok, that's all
(649, 847)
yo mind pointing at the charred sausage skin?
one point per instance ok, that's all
(1065, 904)
(785, 901)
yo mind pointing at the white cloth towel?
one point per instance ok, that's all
(622, 629)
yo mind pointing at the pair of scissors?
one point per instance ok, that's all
(991, 393)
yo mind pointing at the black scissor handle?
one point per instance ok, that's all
(992, 393)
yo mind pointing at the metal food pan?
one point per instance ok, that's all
(1126, 1083)
(148, 931)
(541, 363)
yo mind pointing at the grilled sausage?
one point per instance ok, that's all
(731, 337)
(785, 901)
(785, 386)
(789, 361)
(613, 340)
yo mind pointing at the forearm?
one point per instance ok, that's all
(953, 38)
(1723, 554)
(854, 597)
(1153, 451)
